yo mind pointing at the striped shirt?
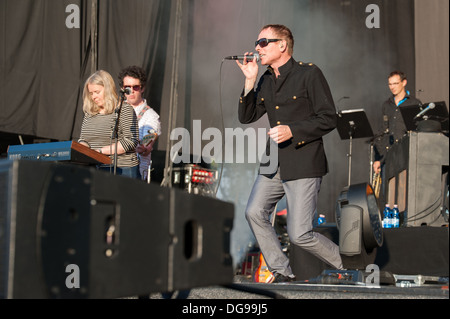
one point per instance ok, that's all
(97, 131)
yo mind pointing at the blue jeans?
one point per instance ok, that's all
(132, 172)
(301, 200)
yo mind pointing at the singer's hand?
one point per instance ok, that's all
(250, 70)
(280, 133)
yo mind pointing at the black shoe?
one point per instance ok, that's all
(277, 278)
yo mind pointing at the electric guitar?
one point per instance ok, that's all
(262, 273)
(151, 136)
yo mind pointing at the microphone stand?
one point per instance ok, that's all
(115, 133)
(351, 133)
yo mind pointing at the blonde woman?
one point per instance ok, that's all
(100, 100)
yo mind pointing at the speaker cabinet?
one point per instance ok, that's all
(414, 177)
(70, 231)
(200, 248)
(350, 230)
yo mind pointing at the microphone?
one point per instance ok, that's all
(425, 110)
(241, 57)
(126, 90)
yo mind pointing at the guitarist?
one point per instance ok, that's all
(135, 78)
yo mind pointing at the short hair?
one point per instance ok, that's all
(134, 72)
(284, 33)
(104, 79)
(399, 73)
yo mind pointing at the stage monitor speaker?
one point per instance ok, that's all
(200, 247)
(361, 196)
(350, 230)
(415, 176)
(69, 231)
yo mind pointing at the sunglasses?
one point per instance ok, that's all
(263, 42)
(134, 87)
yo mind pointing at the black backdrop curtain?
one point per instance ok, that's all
(355, 59)
(40, 67)
(43, 66)
(44, 63)
(134, 33)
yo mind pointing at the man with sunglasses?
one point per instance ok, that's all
(300, 109)
(134, 78)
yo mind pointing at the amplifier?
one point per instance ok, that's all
(195, 179)
(416, 178)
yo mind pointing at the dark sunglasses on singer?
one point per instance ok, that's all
(263, 42)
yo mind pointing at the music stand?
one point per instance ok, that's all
(439, 114)
(353, 124)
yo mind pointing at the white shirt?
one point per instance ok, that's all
(149, 121)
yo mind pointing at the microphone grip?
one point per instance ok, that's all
(429, 107)
(241, 57)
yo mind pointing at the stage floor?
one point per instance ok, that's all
(304, 290)
(405, 251)
(413, 264)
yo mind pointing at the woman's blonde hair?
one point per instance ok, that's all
(104, 79)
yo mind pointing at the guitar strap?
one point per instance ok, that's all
(141, 113)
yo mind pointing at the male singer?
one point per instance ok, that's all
(300, 108)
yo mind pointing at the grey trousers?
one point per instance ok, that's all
(301, 200)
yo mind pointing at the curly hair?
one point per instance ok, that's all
(134, 72)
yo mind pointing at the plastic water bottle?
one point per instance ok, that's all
(321, 220)
(395, 217)
(387, 213)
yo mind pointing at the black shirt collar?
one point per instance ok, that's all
(285, 68)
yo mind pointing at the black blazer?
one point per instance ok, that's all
(393, 126)
(300, 98)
